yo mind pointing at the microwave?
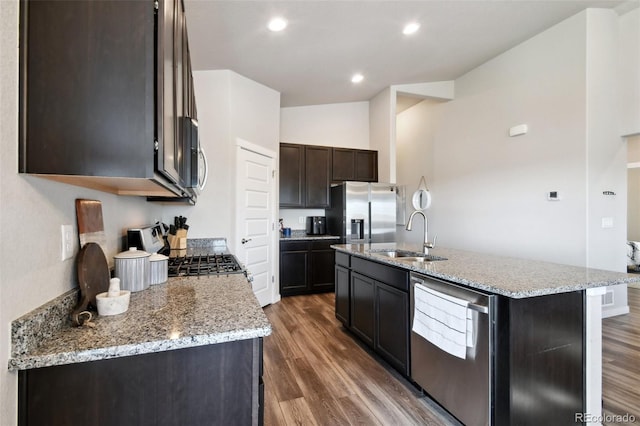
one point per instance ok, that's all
(194, 160)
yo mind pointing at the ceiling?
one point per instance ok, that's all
(311, 62)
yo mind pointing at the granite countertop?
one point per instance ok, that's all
(301, 235)
(512, 277)
(184, 312)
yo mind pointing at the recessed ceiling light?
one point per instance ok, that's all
(411, 28)
(357, 78)
(277, 24)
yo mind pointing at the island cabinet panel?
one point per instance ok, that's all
(306, 267)
(376, 307)
(213, 384)
(392, 332)
(363, 307)
(539, 353)
(342, 279)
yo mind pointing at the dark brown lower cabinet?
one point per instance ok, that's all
(306, 266)
(376, 310)
(204, 385)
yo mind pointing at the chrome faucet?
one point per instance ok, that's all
(426, 245)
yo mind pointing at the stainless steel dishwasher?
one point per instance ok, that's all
(462, 386)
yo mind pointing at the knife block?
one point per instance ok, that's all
(179, 240)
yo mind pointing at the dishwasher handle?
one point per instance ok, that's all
(478, 308)
(483, 309)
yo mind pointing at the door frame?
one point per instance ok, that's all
(274, 244)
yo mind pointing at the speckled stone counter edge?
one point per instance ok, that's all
(72, 357)
(301, 234)
(255, 325)
(44, 321)
(41, 323)
(427, 268)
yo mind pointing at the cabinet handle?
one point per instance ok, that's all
(245, 240)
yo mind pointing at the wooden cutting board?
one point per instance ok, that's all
(90, 223)
(93, 278)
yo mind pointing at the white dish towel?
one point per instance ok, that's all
(443, 320)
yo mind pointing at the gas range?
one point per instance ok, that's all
(205, 257)
(204, 264)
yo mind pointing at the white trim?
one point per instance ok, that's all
(249, 146)
(635, 165)
(620, 310)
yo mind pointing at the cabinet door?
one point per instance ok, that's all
(363, 307)
(291, 175)
(317, 177)
(87, 76)
(293, 270)
(322, 261)
(366, 168)
(342, 277)
(344, 164)
(392, 325)
(167, 113)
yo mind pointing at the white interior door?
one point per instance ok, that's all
(255, 220)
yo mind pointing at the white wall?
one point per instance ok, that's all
(629, 60)
(489, 190)
(31, 212)
(414, 146)
(230, 106)
(343, 125)
(633, 189)
(382, 108)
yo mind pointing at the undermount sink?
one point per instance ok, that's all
(413, 256)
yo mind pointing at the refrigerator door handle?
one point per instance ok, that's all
(369, 235)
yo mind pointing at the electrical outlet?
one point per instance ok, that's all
(67, 242)
(300, 219)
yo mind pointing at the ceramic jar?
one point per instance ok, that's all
(134, 269)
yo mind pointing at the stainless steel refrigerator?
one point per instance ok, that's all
(363, 212)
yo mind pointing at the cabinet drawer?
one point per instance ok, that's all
(395, 277)
(343, 259)
(294, 245)
(323, 244)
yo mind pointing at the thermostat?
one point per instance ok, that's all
(553, 196)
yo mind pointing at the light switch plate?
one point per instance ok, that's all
(607, 222)
(67, 242)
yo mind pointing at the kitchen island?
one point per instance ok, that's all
(544, 319)
(186, 352)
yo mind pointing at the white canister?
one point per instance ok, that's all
(159, 268)
(134, 269)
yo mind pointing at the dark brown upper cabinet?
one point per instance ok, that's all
(292, 175)
(354, 165)
(104, 89)
(318, 177)
(305, 176)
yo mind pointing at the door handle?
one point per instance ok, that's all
(245, 240)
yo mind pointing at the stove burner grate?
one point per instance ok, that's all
(207, 264)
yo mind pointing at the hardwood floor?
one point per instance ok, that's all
(316, 373)
(621, 363)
